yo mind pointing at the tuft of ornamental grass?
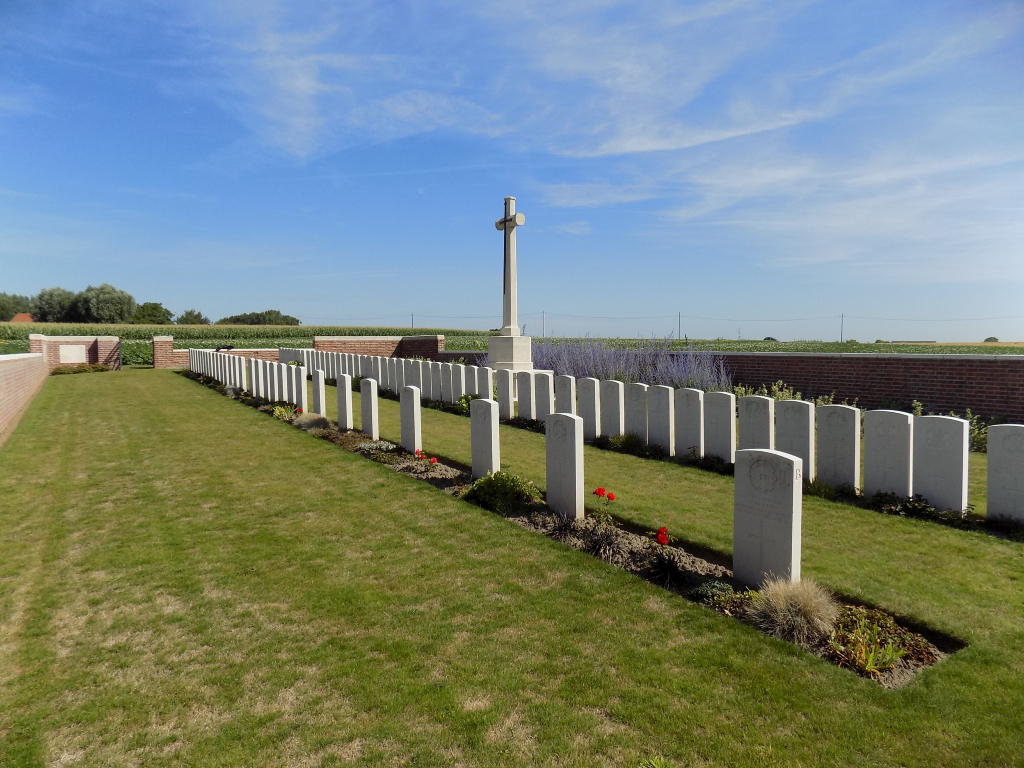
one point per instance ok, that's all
(801, 612)
(308, 421)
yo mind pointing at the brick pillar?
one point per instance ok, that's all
(163, 352)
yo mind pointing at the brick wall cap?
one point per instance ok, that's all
(20, 356)
(43, 337)
(163, 338)
(368, 338)
(869, 355)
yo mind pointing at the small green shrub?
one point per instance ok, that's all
(869, 642)
(820, 488)
(655, 762)
(798, 611)
(503, 492)
(308, 421)
(709, 590)
(285, 412)
(778, 391)
(62, 370)
(631, 444)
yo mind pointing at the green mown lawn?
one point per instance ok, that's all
(186, 581)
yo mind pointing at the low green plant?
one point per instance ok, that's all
(602, 515)
(655, 762)
(708, 590)
(777, 391)
(631, 444)
(61, 370)
(821, 489)
(799, 612)
(502, 492)
(862, 643)
(461, 405)
(285, 412)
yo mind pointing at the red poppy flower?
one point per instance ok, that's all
(433, 461)
(663, 536)
(611, 497)
(298, 410)
(599, 493)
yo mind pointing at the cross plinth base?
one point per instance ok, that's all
(512, 353)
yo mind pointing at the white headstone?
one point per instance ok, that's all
(689, 423)
(506, 389)
(720, 425)
(393, 366)
(544, 394)
(524, 388)
(941, 445)
(346, 417)
(446, 383)
(484, 443)
(458, 381)
(435, 381)
(564, 443)
(425, 383)
(590, 407)
(368, 396)
(889, 453)
(839, 445)
(613, 408)
(301, 392)
(319, 393)
(485, 382)
(636, 410)
(757, 422)
(794, 432)
(661, 418)
(1006, 472)
(565, 395)
(471, 381)
(409, 411)
(767, 510)
(412, 375)
(399, 380)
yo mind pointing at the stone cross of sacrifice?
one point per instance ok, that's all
(510, 308)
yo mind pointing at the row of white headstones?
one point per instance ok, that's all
(768, 480)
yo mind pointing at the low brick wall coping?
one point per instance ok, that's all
(372, 338)
(867, 355)
(21, 356)
(41, 336)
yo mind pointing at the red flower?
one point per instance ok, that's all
(298, 410)
(611, 497)
(433, 461)
(663, 536)
(599, 493)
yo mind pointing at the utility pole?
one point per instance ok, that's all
(842, 323)
(679, 331)
(543, 323)
(412, 320)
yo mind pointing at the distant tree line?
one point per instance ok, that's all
(109, 305)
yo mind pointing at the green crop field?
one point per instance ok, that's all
(187, 581)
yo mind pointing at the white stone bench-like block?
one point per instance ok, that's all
(613, 408)
(941, 446)
(720, 425)
(889, 453)
(767, 511)
(636, 410)
(368, 396)
(409, 414)
(564, 447)
(661, 418)
(838, 440)
(590, 407)
(794, 432)
(1006, 472)
(689, 409)
(757, 422)
(483, 432)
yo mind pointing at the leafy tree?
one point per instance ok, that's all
(192, 317)
(103, 304)
(13, 303)
(152, 313)
(52, 305)
(270, 317)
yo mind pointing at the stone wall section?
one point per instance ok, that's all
(101, 350)
(382, 346)
(21, 377)
(166, 356)
(990, 385)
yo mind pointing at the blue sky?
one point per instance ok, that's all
(761, 168)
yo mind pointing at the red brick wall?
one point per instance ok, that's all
(102, 350)
(990, 385)
(383, 346)
(21, 376)
(166, 356)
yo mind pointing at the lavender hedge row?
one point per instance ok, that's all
(649, 361)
